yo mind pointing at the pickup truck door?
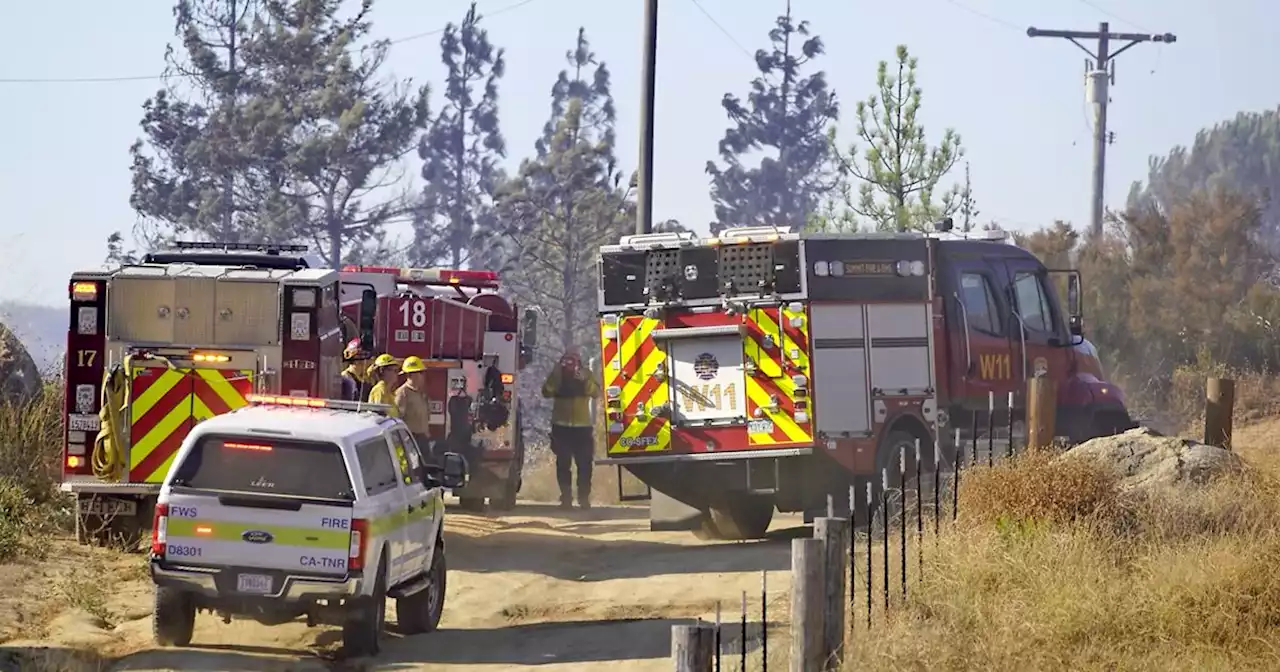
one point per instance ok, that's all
(385, 499)
(420, 503)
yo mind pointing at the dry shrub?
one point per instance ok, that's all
(30, 468)
(1037, 488)
(1180, 579)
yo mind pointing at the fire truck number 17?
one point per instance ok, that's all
(414, 314)
(710, 397)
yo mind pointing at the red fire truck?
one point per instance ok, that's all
(474, 342)
(157, 346)
(768, 369)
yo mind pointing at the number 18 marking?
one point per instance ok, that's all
(415, 316)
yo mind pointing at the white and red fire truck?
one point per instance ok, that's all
(474, 342)
(157, 346)
(767, 369)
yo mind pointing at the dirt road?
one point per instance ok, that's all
(560, 590)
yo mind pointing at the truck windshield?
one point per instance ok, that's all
(265, 466)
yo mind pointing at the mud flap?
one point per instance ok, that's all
(668, 514)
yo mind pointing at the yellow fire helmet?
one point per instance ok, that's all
(413, 364)
(384, 360)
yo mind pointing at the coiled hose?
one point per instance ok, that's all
(109, 446)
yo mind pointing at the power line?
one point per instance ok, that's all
(1107, 12)
(983, 15)
(140, 78)
(722, 30)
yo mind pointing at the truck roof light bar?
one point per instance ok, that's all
(433, 276)
(314, 402)
(659, 239)
(269, 248)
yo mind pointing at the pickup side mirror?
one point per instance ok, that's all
(368, 314)
(453, 471)
(528, 336)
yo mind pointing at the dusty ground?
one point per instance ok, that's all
(560, 590)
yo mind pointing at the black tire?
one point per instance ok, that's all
(471, 503)
(174, 617)
(366, 621)
(742, 517)
(507, 501)
(888, 458)
(421, 612)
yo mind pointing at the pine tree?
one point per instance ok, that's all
(968, 205)
(788, 115)
(898, 172)
(462, 150)
(190, 170)
(335, 130)
(568, 200)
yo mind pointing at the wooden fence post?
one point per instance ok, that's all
(1042, 399)
(834, 533)
(1219, 404)
(808, 560)
(693, 647)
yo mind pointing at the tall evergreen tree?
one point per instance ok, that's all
(461, 151)
(788, 115)
(190, 171)
(898, 172)
(569, 199)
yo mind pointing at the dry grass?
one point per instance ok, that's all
(540, 478)
(1052, 568)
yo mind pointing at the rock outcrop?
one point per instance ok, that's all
(1143, 459)
(19, 376)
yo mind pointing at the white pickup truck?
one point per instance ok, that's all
(295, 507)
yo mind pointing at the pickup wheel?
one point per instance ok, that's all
(365, 622)
(174, 617)
(471, 503)
(421, 611)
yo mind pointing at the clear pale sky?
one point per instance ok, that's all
(1017, 102)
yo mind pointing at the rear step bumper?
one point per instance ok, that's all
(203, 581)
(706, 457)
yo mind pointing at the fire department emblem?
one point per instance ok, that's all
(1040, 367)
(706, 366)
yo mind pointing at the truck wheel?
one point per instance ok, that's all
(745, 517)
(173, 618)
(507, 501)
(421, 611)
(892, 506)
(471, 503)
(362, 631)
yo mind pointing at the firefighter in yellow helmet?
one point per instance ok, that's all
(385, 370)
(572, 386)
(355, 378)
(413, 405)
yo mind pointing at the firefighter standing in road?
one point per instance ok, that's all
(355, 378)
(413, 406)
(572, 440)
(385, 370)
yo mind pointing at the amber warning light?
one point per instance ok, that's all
(84, 291)
(210, 358)
(508, 378)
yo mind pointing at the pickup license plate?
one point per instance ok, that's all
(259, 584)
(108, 506)
(759, 426)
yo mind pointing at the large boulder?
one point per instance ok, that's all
(1143, 459)
(19, 377)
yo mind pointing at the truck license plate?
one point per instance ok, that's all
(83, 422)
(254, 583)
(108, 507)
(759, 426)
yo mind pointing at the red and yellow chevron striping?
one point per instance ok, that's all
(166, 403)
(777, 344)
(631, 360)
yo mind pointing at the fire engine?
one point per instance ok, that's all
(474, 342)
(768, 369)
(157, 346)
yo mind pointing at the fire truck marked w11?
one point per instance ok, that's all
(766, 369)
(154, 348)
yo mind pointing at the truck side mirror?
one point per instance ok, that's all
(528, 336)
(1073, 294)
(368, 313)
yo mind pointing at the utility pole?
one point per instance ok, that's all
(648, 92)
(1101, 73)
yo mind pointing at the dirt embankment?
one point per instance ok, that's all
(562, 591)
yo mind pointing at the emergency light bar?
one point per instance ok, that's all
(432, 276)
(238, 247)
(313, 402)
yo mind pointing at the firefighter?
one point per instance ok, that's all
(385, 370)
(572, 440)
(355, 378)
(413, 406)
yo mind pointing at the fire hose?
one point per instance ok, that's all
(108, 447)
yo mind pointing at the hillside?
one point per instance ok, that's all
(43, 330)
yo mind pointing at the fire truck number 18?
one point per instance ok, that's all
(414, 314)
(710, 397)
